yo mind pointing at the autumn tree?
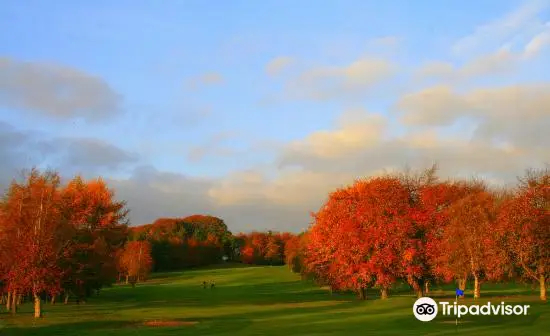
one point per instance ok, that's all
(136, 260)
(178, 243)
(318, 262)
(294, 252)
(361, 234)
(421, 187)
(465, 245)
(524, 228)
(31, 219)
(96, 227)
(262, 247)
(274, 253)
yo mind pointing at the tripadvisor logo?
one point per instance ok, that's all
(425, 309)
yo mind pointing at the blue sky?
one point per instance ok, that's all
(251, 100)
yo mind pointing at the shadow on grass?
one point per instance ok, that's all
(220, 266)
(255, 294)
(263, 302)
(230, 323)
(342, 318)
(177, 297)
(289, 292)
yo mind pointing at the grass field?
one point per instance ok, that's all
(264, 301)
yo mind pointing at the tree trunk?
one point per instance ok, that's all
(8, 302)
(362, 293)
(384, 293)
(462, 284)
(19, 299)
(53, 299)
(427, 287)
(417, 287)
(127, 276)
(330, 290)
(542, 282)
(476, 287)
(14, 303)
(66, 298)
(37, 306)
(2, 299)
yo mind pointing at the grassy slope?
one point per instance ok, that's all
(263, 301)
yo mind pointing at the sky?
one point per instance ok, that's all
(253, 111)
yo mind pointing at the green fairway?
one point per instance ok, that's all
(264, 301)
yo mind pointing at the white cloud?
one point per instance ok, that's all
(499, 63)
(497, 48)
(437, 105)
(278, 65)
(152, 194)
(357, 129)
(331, 82)
(510, 134)
(292, 188)
(502, 30)
(304, 179)
(538, 42)
(519, 114)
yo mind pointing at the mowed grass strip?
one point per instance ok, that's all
(266, 301)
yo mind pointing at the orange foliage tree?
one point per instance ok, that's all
(136, 260)
(418, 229)
(524, 228)
(360, 236)
(30, 221)
(466, 244)
(57, 238)
(294, 252)
(97, 224)
(262, 248)
(191, 241)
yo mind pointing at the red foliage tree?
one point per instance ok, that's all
(53, 234)
(361, 234)
(524, 228)
(185, 242)
(465, 245)
(96, 227)
(294, 252)
(262, 247)
(31, 221)
(247, 255)
(136, 260)
(274, 253)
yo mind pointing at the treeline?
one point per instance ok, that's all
(200, 240)
(178, 243)
(420, 230)
(262, 248)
